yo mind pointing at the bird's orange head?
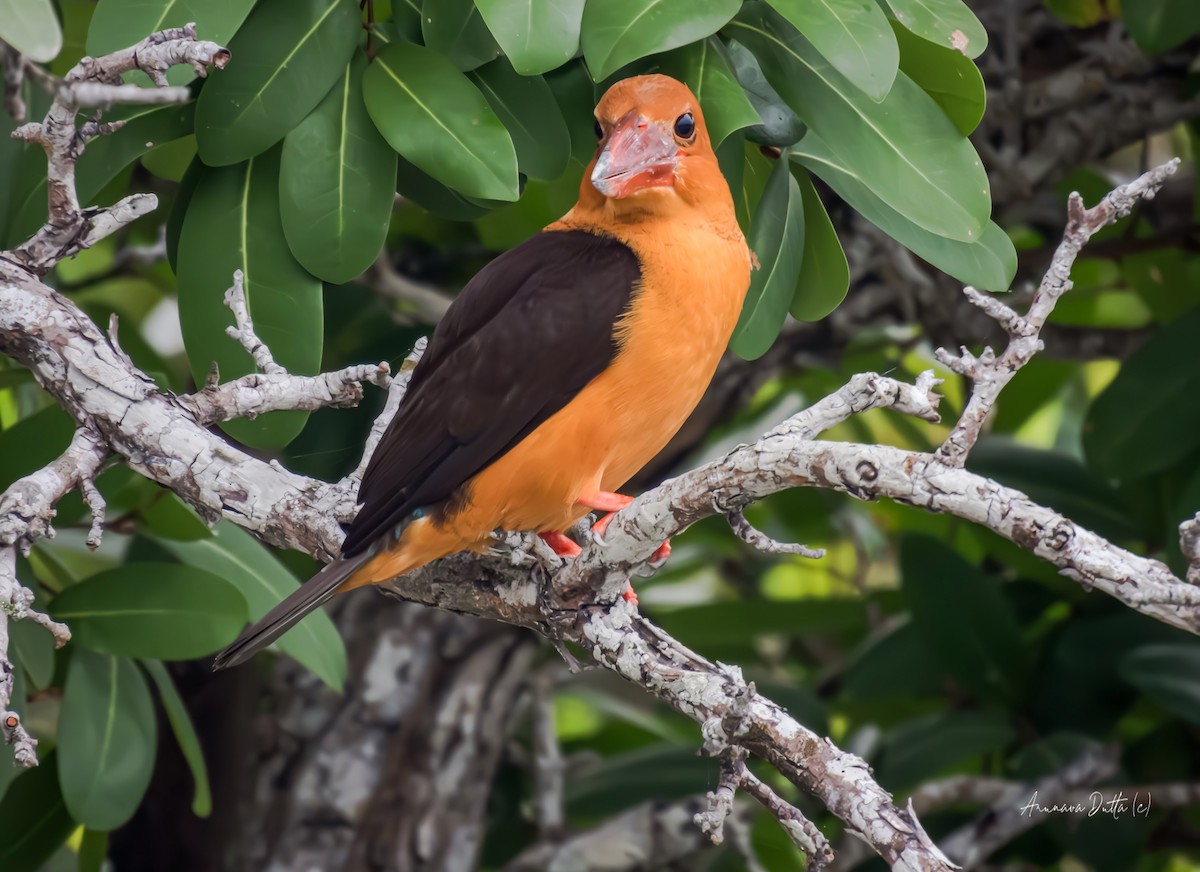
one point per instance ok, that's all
(653, 149)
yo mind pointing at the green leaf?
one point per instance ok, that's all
(575, 94)
(183, 198)
(929, 746)
(431, 113)
(527, 108)
(946, 75)
(34, 651)
(455, 30)
(185, 735)
(777, 239)
(431, 195)
(242, 560)
(171, 518)
(171, 160)
(118, 24)
(962, 617)
(1146, 419)
(31, 27)
(988, 264)
(904, 148)
(1160, 25)
(852, 35)
(1057, 480)
(1169, 674)
(34, 821)
(778, 125)
(159, 610)
(335, 211)
(824, 273)
(943, 22)
(107, 738)
(615, 32)
(287, 56)
(33, 442)
(703, 68)
(233, 223)
(536, 35)
(93, 850)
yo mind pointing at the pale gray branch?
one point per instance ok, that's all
(991, 372)
(96, 82)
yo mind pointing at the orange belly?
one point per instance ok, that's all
(692, 290)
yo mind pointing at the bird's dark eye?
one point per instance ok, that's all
(685, 126)
(599, 130)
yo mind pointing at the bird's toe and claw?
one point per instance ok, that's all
(609, 503)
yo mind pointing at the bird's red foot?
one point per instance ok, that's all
(563, 545)
(660, 555)
(603, 501)
(630, 595)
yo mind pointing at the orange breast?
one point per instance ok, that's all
(694, 281)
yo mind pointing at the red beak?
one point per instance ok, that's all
(638, 155)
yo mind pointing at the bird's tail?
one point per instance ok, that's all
(310, 596)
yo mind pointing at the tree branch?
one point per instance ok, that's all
(991, 373)
(96, 82)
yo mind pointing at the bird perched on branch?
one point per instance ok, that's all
(563, 367)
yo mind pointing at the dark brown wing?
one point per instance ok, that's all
(519, 342)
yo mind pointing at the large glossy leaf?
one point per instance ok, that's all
(185, 734)
(456, 30)
(777, 240)
(427, 192)
(335, 196)
(34, 821)
(33, 442)
(929, 746)
(904, 148)
(945, 22)
(948, 76)
(34, 651)
(853, 36)
(527, 108)
(287, 56)
(824, 273)
(160, 610)
(437, 119)
(1169, 675)
(989, 263)
(104, 158)
(1146, 419)
(615, 32)
(31, 27)
(575, 94)
(778, 125)
(1057, 480)
(183, 198)
(962, 617)
(703, 68)
(233, 223)
(107, 739)
(536, 35)
(118, 24)
(1159, 25)
(242, 560)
